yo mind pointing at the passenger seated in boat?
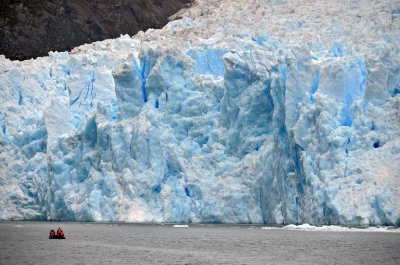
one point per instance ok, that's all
(60, 232)
(52, 233)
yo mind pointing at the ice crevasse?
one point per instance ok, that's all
(239, 126)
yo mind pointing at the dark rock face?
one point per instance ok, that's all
(29, 29)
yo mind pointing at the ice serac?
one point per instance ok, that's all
(224, 124)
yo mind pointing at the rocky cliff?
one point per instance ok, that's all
(29, 29)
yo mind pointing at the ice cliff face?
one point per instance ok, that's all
(256, 112)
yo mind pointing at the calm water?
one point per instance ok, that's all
(27, 243)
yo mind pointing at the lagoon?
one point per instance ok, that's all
(120, 243)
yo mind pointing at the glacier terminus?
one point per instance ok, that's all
(256, 111)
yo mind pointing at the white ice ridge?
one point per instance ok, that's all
(271, 112)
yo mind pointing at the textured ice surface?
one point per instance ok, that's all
(241, 112)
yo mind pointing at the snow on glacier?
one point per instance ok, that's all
(241, 112)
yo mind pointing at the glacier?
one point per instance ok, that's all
(271, 112)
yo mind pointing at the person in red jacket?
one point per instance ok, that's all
(52, 233)
(60, 232)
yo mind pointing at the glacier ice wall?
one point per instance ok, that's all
(197, 124)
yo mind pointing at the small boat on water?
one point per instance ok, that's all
(59, 235)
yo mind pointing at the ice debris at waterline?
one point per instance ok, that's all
(335, 228)
(241, 112)
(181, 226)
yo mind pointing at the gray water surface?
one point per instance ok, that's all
(90, 243)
